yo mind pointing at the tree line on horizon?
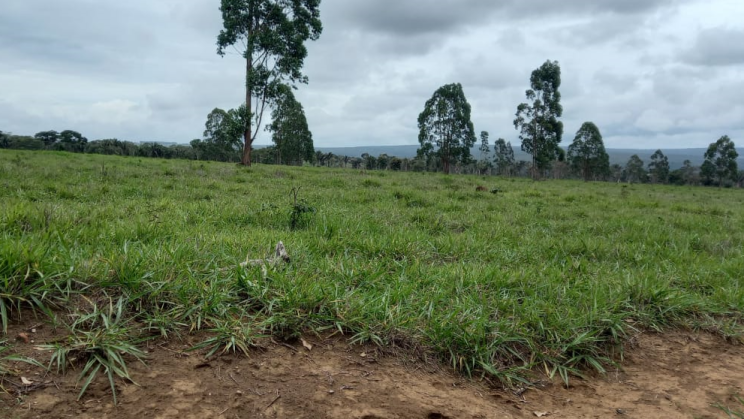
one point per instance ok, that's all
(718, 169)
(446, 135)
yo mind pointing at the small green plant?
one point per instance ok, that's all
(371, 183)
(736, 413)
(18, 161)
(163, 322)
(101, 339)
(19, 286)
(624, 192)
(299, 211)
(232, 335)
(4, 359)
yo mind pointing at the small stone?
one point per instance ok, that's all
(331, 391)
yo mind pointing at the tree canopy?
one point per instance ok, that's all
(503, 157)
(290, 133)
(445, 128)
(720, 162)
(634, 171)
(4, 140)
(48, 137)
(539, 128)
(587, 154)
(221, 138)
(485, 152)
(271, 35)
(659, 167)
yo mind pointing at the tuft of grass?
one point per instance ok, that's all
(101, 339)
(5, 369)
(231, 335)
(733, 413)
(22, 283)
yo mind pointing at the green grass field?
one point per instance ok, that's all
(553, 273)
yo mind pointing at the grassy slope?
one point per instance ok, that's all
(542, 273)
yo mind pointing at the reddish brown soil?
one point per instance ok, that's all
(674, 375)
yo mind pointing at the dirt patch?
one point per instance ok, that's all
(675, 375)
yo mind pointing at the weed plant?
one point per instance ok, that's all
(732, 413)
(99, 339)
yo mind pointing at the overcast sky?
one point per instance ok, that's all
(649, 73)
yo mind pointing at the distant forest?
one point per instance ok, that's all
(677, 166)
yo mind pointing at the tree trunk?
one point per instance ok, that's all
(246, 160)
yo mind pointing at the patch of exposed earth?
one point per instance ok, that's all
(672, 375)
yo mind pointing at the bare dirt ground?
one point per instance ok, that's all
(672, 375)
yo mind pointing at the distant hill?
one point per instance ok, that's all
(617, 155)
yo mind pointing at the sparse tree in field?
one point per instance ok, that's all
(383, 161)
(356, 162)
(522, 168)
(634, 171)
(73, 141)
(396, 164)
(24, 142)
(48, 137)
(587, 154)
(180, 151)
(659, 167)
(560, 165)
(152, 149)
(4, 140)
(616, 172)
(445, 128)
(290, 133)
(222, 136)
(369, 162)
(264, 155)
(485, 153)
(720, 162)
(110, 146)
(689, 175)
(270, 35)
(503, 157)
(329, 158)
(537, 122)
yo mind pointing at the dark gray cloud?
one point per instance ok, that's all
(406, 18)
(414, 27)
(717, 47)
(410, 18)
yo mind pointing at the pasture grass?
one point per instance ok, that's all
(552, 274)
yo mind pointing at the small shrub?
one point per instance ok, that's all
(300, 211)
(371, 183)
